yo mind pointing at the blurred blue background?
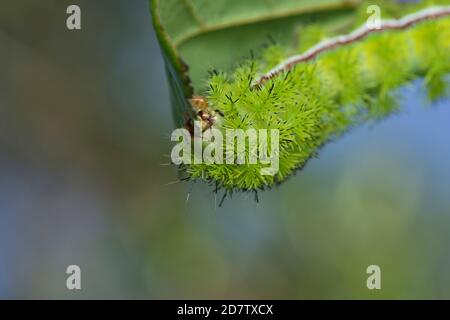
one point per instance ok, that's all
(84, 130)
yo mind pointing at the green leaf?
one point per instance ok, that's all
(318, 92)
(198, 36)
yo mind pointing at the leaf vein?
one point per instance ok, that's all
(193, 12)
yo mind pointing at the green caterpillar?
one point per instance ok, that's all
(317, 100)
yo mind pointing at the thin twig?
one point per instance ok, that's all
(358, 34)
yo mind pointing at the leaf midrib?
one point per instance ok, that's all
(205, 28)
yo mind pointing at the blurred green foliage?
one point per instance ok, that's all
(84, 119)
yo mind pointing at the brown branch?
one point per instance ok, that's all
(358, 34)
